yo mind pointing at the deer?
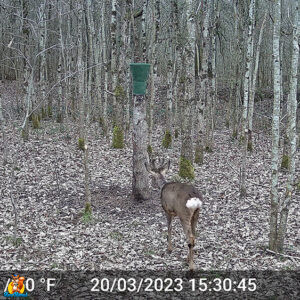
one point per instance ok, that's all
(177, 199)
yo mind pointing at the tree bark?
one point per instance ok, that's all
(247, 79)
(186, 169)
(140, 181)
(275, 128)
(292, 134)
(253, 85)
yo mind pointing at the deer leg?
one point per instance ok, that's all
(187, 228)
(194, 221)
(169, 219)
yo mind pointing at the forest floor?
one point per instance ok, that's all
(45, 179)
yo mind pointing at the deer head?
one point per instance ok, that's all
(158, 169)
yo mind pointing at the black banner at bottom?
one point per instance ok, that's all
(147, 284)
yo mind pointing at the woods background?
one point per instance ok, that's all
(221, 102)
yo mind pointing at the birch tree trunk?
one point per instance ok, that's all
(120, 88)
(202, 101)
(238, 65)
(90, 57)
(98, 68)
(177, 67)
(154, 65)
(143, 38)
(275, 127)
(28, 72)
(61, 66)
(113, 59)
(81, 76)
(42, 41)
(209, 140)
(244, 133)
(253, 86)
(292, 134)
(129, 52)
(186, 169)
(167, 140)
(104, 118)
(140, 181)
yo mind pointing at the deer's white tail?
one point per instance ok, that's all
(194, 203)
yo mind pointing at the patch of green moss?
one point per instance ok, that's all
(199, 155)
(234, 134)
(118, 138)
(167, 140)
(250, 146)
(87, 213)
(176, 133)
(186, 169)
(182, 79)
(44, 115)
(149, 150)
(119, 91)
(242, 139)
(285, 162)
(25, 135)
(15, 241)
(49, 111)
(116, 235)
(59, 117)
(81, 144)
(35, 122)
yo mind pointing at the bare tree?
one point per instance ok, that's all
(247, 82)
(275, 128)
(186, 169)
(292, 134)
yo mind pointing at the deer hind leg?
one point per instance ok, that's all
(187, 228)
(169, 219)
(194, 221)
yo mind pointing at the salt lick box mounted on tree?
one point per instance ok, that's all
(140, 72)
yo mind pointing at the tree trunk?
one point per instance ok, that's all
(81, 96)
(113, 59)
(154, 66)
(292, 134)
(140, 181)
(202, 101)
(253, 86)
(244, 133)
(186, 169)
(104, 118)
(275, 128)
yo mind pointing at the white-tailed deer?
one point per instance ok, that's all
(177, 199)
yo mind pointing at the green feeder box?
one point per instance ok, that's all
(140, 72)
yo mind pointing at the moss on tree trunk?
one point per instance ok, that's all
(167, 140)
(186, 169)
(285, 162)
(118, 138)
